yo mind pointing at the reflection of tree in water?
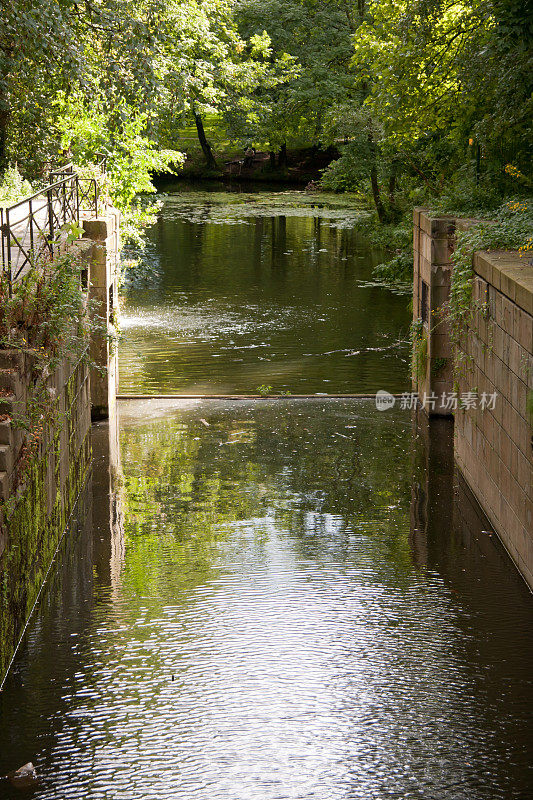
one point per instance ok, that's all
(233, 302)
(300, 467)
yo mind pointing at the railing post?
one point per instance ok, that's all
(77, 198)
(8, 248)
(50, 218)
(30, 223)
(2, 235)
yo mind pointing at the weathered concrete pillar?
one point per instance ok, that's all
(103, 233)
(432, 357)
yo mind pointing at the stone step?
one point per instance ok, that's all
(6, 432)
(7, 404)
(6, 458)
(4, 485)
(11, 359)
(10, 381)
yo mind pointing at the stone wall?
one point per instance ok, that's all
(39, 485)
(493, 443)
(102, 241)
(432, 247)
(37, 501)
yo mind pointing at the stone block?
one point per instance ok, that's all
(441, 346)
(443, 226)
(440, 292)
(524, 473)
(498, 309)
(524, 294)
(424, 268)
(524, 334)
(10, 381)
(497, 342)
(6, 433)
(515, 360)
(12, 359)
(5, 485)
(507, 320)
(506, 447)
(482, 267)
(425, 222)
(440, 251)
(508, 277)
(97, 229)
(6, 458)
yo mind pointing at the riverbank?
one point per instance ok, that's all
(298, 167)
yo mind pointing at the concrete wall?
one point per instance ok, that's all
(493, 446)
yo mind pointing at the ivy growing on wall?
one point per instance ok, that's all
(510, 229)
(48, 317)
(419, 348)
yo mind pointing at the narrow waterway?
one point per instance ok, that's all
(278, 599)
(248, 290)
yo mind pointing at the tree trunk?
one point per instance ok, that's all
(272, 156)
(376, 193)
(282, 155)
(380, 208)
(206, 147)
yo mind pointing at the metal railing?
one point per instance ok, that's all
(32, 226)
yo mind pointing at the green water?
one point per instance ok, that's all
(248, 290)
(271, 600)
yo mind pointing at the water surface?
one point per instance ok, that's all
(275, 602)
(252, 290)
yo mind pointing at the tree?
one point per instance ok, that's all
(440, 73)
(317, 37)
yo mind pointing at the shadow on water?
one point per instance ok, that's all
(289, 599)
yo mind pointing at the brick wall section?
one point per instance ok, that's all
(494, 447)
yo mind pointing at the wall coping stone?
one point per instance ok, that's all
(509, 273)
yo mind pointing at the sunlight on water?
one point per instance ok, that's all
(272, 606)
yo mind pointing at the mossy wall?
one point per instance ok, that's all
(33, 523)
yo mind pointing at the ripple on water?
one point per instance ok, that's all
(266, 633)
